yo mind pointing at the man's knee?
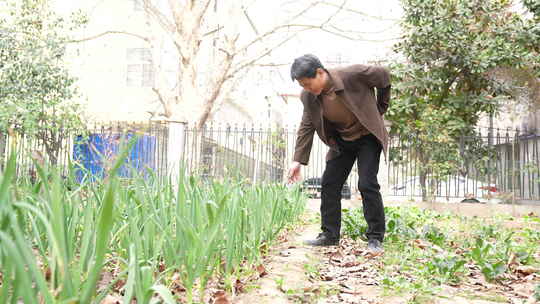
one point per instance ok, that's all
(329, 186)
(368, 185)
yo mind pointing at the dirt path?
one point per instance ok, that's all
(304, 274)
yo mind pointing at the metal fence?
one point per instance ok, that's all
(502, 165)
(492, 162)
(257, 153)
(92, 151)
(254, 152)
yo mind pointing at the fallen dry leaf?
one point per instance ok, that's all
(239, 286)
(261, 270)
(47, 274)
(327, 278)
(220, 297)
(526, 270)
(119, 284)
(351, 264)
(420, 244)
(111, 300)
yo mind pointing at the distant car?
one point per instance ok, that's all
(312, 186)
(462, 189)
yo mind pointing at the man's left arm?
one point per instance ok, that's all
(376, 77)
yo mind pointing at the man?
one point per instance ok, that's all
(341, 106)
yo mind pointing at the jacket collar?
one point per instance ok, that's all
(338, 82)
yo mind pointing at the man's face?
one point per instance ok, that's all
(314, 85)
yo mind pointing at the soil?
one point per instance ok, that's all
(296, 273)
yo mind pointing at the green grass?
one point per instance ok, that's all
(425, 250)
(144, 230)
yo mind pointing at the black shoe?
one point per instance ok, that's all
(374, 246)
(322, 240)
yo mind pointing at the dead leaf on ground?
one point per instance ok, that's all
(420, 244)
(261, 270)
(176, 283)
(351, 264)
(48, 274)
(327, 278)
(220, 297)
(336, 257)
(526, 270)
(239, 286)
(119, 284)
(110, 299)
(372, 254)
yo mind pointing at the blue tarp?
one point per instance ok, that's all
(98, 153)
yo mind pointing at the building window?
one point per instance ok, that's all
(140, 71)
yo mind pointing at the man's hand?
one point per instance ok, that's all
(294, 172)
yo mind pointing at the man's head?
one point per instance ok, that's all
(310, 73)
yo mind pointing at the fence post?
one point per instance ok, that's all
(175, 148)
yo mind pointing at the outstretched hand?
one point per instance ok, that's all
(293, 175)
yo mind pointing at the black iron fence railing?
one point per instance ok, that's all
(490, 164)
(497, 165)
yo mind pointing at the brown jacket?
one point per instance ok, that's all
(356, 84)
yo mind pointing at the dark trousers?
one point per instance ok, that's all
(367, 151)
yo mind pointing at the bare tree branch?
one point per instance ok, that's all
(202, 12)
(264, 54)
(271, 64)
(159, 16)
(303, 11)
(163, 102)
(213, 31)
(146, 39)
(225, 75)
(309, 27)
(358, 12)
(176, 10)
(251, 22)
(334, 27)
(288, 24)
(335, 13)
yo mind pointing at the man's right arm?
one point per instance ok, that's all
(304, 140)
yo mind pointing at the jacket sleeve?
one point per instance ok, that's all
(376, 77)
(304, 140)
(373, 76)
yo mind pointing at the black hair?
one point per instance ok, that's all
(305, 66)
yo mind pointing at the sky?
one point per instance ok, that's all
(373, 25)
(372, 28)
